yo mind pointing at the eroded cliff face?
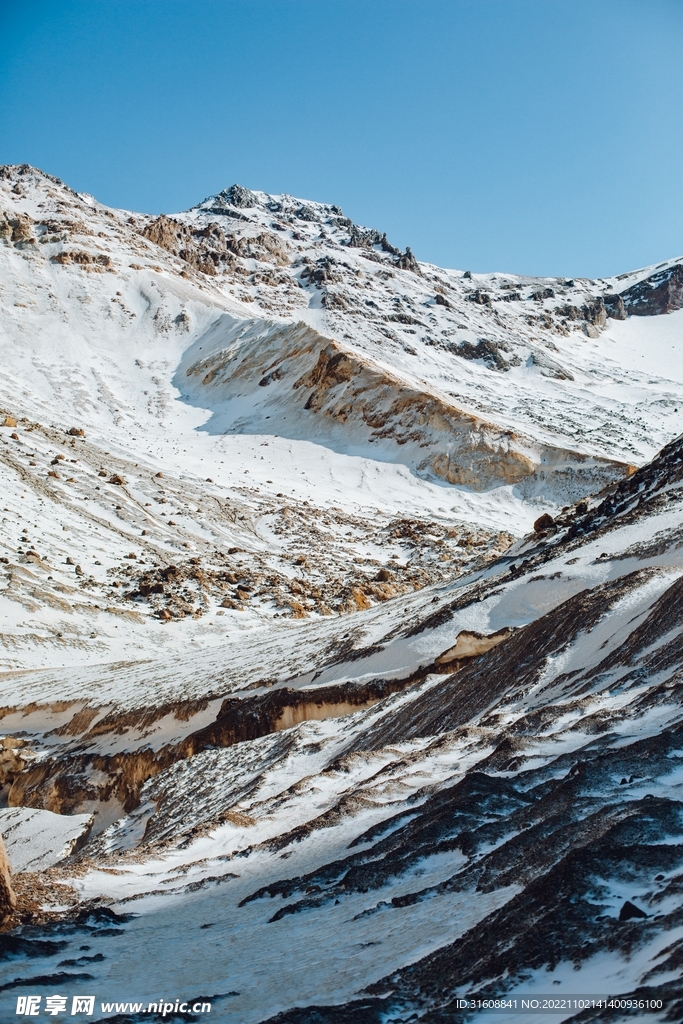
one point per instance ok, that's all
(8, 900)
(319, 387)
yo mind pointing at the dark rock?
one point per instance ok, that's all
(388, 247)
(543, 293)
(441, 300)
(481, 298)
(594, 312)
(488, 351)
(544, 523)
(615, 307)
(660, 293)
(407, 261)
(569, 311)
(629, 911)
(364, 239)
(239, 196)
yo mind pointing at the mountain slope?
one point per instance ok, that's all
(338, 737)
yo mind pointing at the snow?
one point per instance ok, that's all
(110, 352)
(37, 839)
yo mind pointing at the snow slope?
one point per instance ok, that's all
(349, 734)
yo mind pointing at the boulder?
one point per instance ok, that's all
(630, 911)
(544, 523)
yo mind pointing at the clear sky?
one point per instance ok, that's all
(532, 136)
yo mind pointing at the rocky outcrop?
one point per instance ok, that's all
(343, 389)
(16, 228)
(406, 261)
(616, 309)
(8, 900)
(595, 313)
(191, 246)
(660, 293)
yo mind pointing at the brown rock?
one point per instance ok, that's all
(9, 421)
(8, 900)
(76, 432)
(470, 645)
(544, 523)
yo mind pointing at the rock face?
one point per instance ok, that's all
(660, 293)
(312, 377)
(8, 900)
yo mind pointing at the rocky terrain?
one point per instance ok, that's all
(390, 720)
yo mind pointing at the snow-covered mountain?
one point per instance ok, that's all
(345, 730)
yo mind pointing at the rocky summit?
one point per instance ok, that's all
(383, 728)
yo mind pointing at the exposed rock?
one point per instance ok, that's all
(8, 900)
(549, 367)
(470, 645)
(479, 296)
(17, 228)
(568, 311)
(544, 523)
(490, 352)
(239, 196)
(629, 911)
(595, 313)
(614, 304)
(86, 260)
(408, 262)
(660, 293)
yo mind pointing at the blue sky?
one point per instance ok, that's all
(533, 136)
